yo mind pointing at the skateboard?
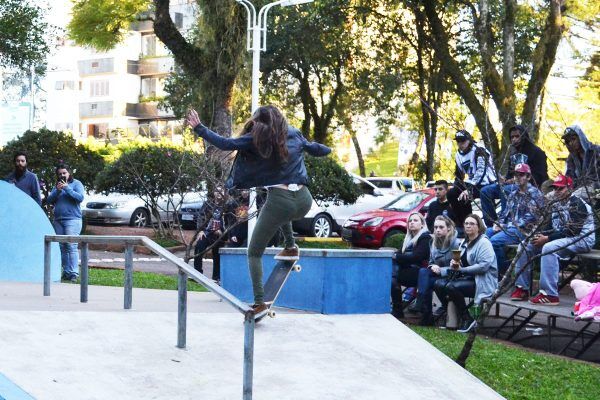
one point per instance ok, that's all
(275, 283)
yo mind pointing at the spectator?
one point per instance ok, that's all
(66, 198)
(24, 179)
(440, 206)
(525, 203)
(238, 218)
(475, 275)
(270, 154)
(413, 256)
(474, 170)
(583, 162)
(445, 239)
(572, 232)
(522, 150)
(212, 220)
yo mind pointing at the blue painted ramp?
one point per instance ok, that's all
(10, 391)
(23, 225)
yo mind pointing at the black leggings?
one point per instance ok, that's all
(455, 290)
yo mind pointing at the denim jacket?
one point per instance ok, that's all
(522, 209)
(251, 170)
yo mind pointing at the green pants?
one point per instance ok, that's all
(281, 208)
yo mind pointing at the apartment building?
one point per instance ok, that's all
(115, 94)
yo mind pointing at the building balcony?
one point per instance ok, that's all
(96, 109)
(143, 26)
(150, 66)
(146, 111)
(96, 66)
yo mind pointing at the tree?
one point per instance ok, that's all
(211, 58)
(45, 149)
(23, 31)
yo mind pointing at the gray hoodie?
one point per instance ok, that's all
(442, 257)
(584, 172)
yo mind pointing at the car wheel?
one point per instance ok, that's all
(140, 218)
(321, 226)
(389, 234)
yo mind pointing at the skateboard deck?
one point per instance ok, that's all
(275, 283)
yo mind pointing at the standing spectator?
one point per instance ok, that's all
(445, 239)
(66, 198)
(271, 154)
(474, 170)
(440, 206)
(475, 275)
(525, 203)
(572, 232)
(413, 256)
(237, 217)
(212, 225)
(522, 150)
(583, 162)
(24, 179)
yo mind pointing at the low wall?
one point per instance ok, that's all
(331, 281)
(23, 225)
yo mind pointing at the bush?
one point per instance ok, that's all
(329, 182)
(395, 241)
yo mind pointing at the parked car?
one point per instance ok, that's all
(117, 208)
(394, 184)
(325, 219)
(188, 214)
(371, 228)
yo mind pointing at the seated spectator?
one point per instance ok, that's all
(525, 203)
(522, 150)
(475, 275)
(445, 239)
(474, 170)
(572, 232)
(212, 226)
(236, 218)
(440, 206)
(413, 255)
(583, 162)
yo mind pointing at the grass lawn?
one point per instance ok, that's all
(323, 243)
(518, 374)
(146, 280)
(382, 161)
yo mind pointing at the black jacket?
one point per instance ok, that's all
(534, 157)
(436, 208)
(417, 255)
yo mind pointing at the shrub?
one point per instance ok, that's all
(394, 241)
(329, 182)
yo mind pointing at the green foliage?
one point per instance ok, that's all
(102, 24)
(145, 280)
(45, 149)
(395, 241)
(517, 373)
(383, 160)
(330, 182)
(23, 31)
(323, 243)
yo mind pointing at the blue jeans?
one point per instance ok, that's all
(550, 262)
(68, 251)
(425, 289)
(510, 235)
(488, 195)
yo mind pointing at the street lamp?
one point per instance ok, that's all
(256, 41)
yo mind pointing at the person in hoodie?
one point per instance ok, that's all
(66, 198)
(474, 170)
(522, 150)
(571, 233)
(408, 260)
(24, 179)
(583, 162)
(445, 239)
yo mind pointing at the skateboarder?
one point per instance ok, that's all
(271, 156)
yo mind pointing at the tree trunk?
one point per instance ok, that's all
(359, 155)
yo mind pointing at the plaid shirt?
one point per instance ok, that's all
(522, 209)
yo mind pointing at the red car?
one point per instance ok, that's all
(371, 228)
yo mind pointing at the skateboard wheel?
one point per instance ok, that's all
(271, 314)
(297, 268)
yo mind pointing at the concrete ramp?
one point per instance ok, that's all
(66, 355)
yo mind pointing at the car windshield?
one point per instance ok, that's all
(381, 183)
(406, 202)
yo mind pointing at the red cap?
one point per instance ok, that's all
(523, 168)
(562, 181)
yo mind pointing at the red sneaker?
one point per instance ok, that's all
(542, 299)
(519, 294)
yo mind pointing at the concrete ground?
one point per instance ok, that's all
(56, 348)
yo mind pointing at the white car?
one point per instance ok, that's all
(322, 220)
(394, 184)
(117, 208)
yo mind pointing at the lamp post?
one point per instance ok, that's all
(256, 41)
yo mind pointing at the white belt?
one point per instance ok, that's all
(292, 187)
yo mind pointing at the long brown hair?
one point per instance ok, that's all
(269, 129)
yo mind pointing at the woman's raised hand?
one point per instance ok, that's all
(192, 118)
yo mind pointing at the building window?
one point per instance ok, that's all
(179, 20)
(63, 126)
(94, 106)
(98, 88)
(95, 64)
(64, 85)
(149, 45)
(99, 131)
(149, 87)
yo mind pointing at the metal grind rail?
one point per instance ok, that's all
(185, 272)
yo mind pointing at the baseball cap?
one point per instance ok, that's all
(462, 135)
(523, 168)
(562, 181)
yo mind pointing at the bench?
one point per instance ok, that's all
(589, 332)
